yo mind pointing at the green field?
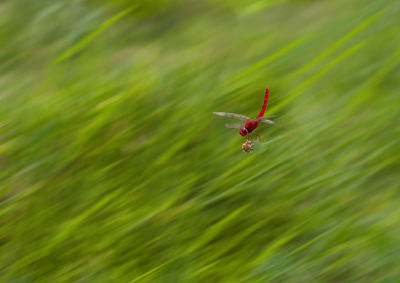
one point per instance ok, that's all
(113, 168)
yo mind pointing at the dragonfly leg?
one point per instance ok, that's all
(258, 136)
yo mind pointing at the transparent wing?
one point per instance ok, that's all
(269, 122)
(235, 125)
(232, 115)
(265, 117)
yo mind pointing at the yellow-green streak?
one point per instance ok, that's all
(368, 21)
(316, 76)
(274, 56)
(87, 39)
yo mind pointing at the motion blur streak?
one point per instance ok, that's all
(114, 169)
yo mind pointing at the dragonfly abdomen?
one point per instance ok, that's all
(265, 103)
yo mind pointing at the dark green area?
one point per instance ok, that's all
(113, 168)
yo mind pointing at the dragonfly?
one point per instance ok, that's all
(248, 125)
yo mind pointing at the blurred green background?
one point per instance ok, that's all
(113, 168)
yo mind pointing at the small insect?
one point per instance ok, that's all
(248, 125)
(248, 146)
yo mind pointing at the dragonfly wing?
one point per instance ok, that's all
(269, 122)
(232, 115)
(265, 117)
(235, 125)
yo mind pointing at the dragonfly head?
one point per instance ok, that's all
(243, 132)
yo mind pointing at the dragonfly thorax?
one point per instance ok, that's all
(250, 126)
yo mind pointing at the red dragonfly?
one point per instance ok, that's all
(249, 125)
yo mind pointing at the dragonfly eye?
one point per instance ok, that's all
(243, 132)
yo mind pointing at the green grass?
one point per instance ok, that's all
(113, 168)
